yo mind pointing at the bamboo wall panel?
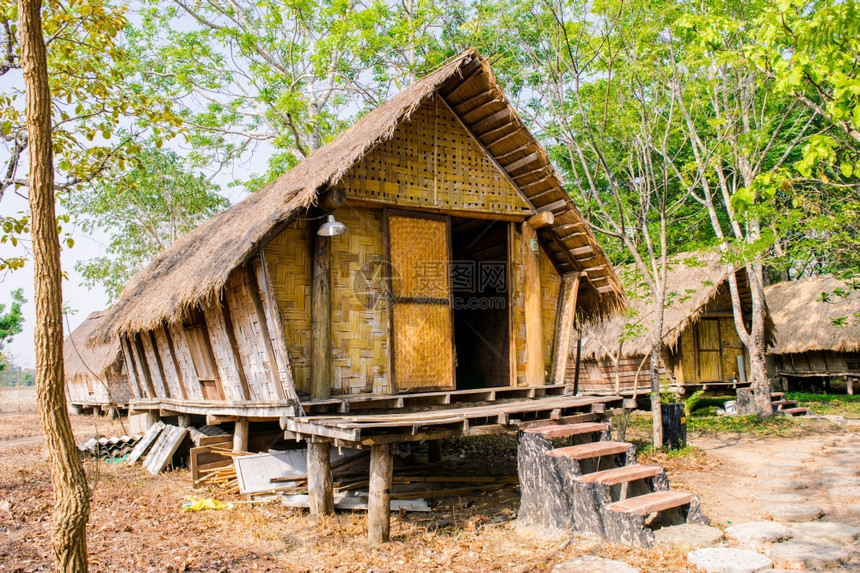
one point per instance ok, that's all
(289, 265)
(422, 347)
(155, 374)
(131, 372)
(689, 355)
(599, 376)
(422, 330)
(431, 160)
(732, 347)
(360, 305)
(186, 364)
(167, 364)
(708, 331)
(518, 306)
(249, 337)
(223, 354)
(274, 327)
(550, 289)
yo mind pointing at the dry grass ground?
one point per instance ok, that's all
(136, 522)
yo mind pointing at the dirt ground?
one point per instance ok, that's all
(136, 523)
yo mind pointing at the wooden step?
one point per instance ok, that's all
(565, 430)
(649, 503)
(795, 411)
(621, 475)
(777, 395)
(592, 450)
(783, 403)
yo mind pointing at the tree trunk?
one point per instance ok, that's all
(756, 346)
(71, 494)
(656, 413)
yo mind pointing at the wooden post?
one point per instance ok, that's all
(379, 500)
(319, 478)
(534, 326)
(183, 420)
(850, 388)
(240, 435)
(321, 318)
(434, 451)
(152, 417)
(541, 220)
(564, 326)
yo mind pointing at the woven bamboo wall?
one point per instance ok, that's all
(167, 364)
(133, 381)
(404, 170)
(599, 376)
(518, 302)
(360, 350)
(550, 289)
(223, 354)
(183, 357)
(731, 349)
(289, 265)
(422, 333)
(249, 337)
(152, 366)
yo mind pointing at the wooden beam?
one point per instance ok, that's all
(467, 102)
(554, 206)
(172, 351)
(564, 326)
(234, 345)
(491, 119)
(482, 106)
(319, 478)
(320, 386)
(503, 138)
(533, 172)
(331, 199)
(379, 499)
(534, 328)
(376, 204)
(586, 250)
(520, 163)
(538, 182)
(541, 220)
(264, 330)
(159, 365)
(240, 435)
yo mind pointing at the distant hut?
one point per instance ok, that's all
(810, 342)
(95, 374)
(701, 347)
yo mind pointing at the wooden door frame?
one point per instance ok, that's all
(386, 239)
(719, 351)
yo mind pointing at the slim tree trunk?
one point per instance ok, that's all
(71, 494)
(656, 411)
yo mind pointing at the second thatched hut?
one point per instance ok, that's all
(701, 347)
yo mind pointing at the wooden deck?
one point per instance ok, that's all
(484, 417)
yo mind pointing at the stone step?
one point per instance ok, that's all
(652, 502)
(565, 430)
(782, 404)
(794, 412)
(621, 475)
(592, 450)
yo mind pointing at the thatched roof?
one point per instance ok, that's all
(803, 322)
(695, 282)
(195, 268)
(83, 360)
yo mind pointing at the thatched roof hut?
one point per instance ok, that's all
(697, 288)
(805, 323)
(815, 338)
(94, 372)
(196, 267)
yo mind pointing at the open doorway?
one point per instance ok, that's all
(479, 281)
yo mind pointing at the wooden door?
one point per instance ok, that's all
(709, 350)
(422, 334)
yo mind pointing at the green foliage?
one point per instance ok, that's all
(11, 323)
(693, 401)
(93, 84)
(144, 209)
(14, 375)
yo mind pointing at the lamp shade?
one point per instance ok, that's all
(331, 228)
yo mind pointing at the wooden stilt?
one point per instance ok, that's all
(152, 417)
(240, 435)
(319, 478)
(379, 500)
(184, 420)
(434, 451)
(850, 386)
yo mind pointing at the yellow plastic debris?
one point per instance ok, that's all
(194, 504)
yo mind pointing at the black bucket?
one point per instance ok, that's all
(674, 426)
